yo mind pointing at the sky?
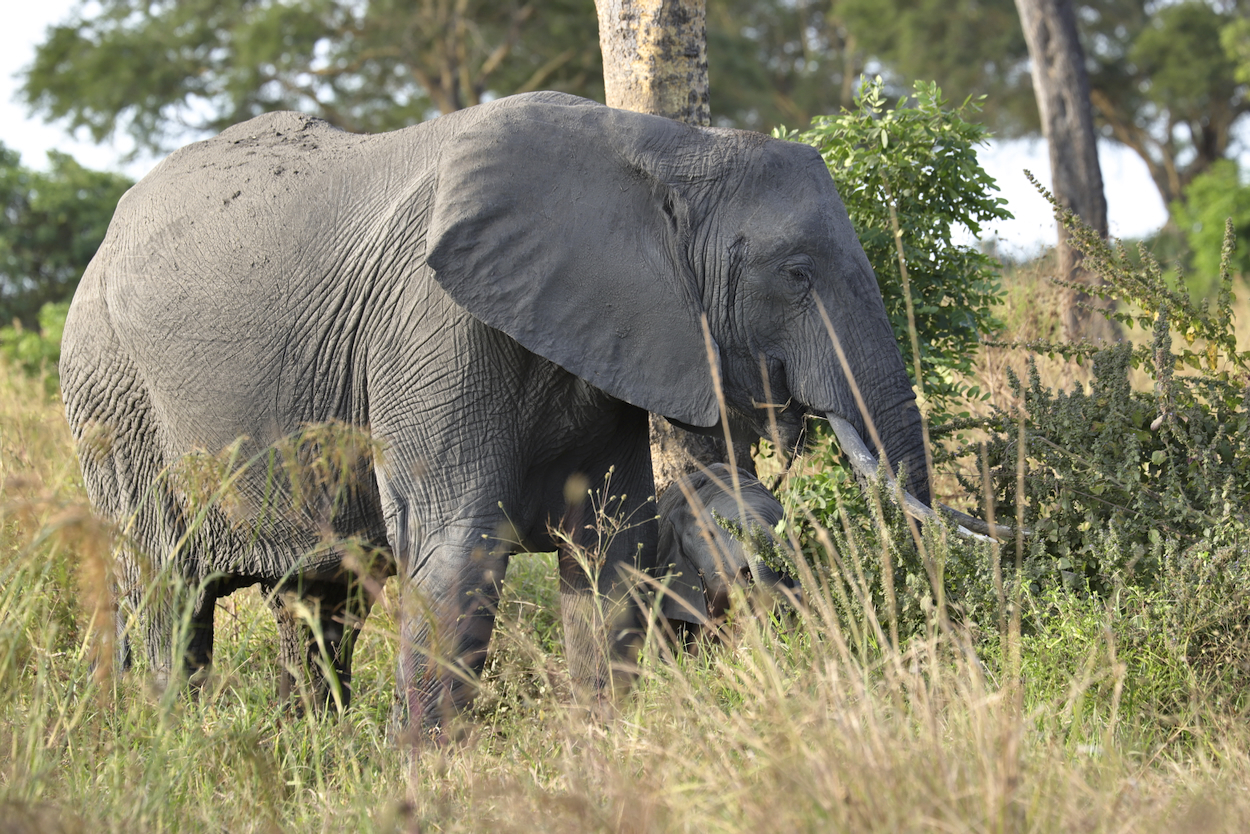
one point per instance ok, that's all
(1133, 205)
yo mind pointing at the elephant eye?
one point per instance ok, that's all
(800, 272)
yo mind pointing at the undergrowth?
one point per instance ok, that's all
(813, 720)
(1090, 678)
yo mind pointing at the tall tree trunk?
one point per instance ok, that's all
(655, 57)
(1061, 85)
(655, 61)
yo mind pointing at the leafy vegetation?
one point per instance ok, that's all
(378, 65)
(54, 221)
(1214, 197)
(1120, 480)
(774, 62)
(1235, 38)
(37, 351)
(910, 174)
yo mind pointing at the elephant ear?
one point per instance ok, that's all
(542, 227)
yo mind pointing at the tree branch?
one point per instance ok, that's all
(502, 50)
(1136, 139)
(542, 73)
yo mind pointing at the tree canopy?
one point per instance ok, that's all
(53, 224)
(775, 63)
(1166, 89)
(157, 70)
(1159, 82)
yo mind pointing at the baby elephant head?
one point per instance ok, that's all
(710, 541)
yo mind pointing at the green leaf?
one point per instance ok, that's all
(925, 154)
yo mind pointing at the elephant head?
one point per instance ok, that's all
(703, 558)
(674, 266)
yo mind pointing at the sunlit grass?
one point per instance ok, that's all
(807, 722)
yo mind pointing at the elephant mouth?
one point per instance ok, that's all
(787, 427)
(865, 464)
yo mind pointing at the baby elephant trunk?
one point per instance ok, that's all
(716, 529)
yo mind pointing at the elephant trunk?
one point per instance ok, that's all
(778, 586)
(899, 437)
(861, 379)
(760, 571)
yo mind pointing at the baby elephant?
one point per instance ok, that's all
(705, 560)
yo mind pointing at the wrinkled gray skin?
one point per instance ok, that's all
(704, 559)
(500, 295)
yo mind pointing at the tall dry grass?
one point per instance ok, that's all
(813, 721)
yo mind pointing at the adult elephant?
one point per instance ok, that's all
(500, 296)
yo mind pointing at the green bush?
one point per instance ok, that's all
(37, 352)
(1218, 194)
(916, 163)
(53, 223)
(1118, 477)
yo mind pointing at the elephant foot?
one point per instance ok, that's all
(453, 730)
(316, 637)
(306, 692)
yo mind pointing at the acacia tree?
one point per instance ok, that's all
(160, 69)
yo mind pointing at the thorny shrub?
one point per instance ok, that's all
(1137, 469)
(1132, 494)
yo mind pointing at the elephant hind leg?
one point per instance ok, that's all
(177, 627)
(125, 470)
(198, 656)
(318, 625)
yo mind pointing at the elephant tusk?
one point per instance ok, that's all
(864, 463)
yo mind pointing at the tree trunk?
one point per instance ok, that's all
(655, 57)
(655, 61)
(1061, 85)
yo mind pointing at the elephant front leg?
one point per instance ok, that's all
(448, 613)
